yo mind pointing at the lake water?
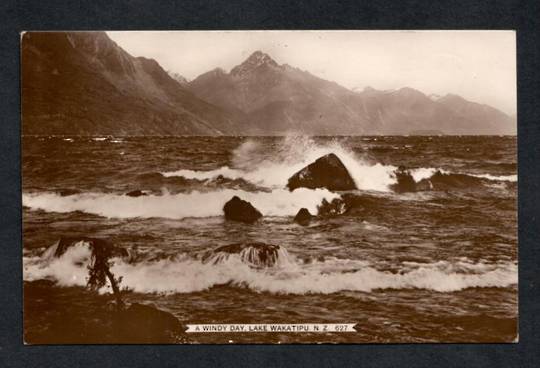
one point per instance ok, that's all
(431, 266)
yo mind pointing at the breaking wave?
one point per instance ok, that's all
(251, 163)
(279, 202)
(205, 175)
(424, 173)
(511, 178)
(186, 274)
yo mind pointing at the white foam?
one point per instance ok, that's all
(512, 178)
(67, 270)
(204, 175)
(279, 202)
(423, 173)
(186, 275)
(253, 163)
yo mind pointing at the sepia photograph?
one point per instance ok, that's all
(269, 187)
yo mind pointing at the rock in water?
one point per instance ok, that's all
(326, 172)
(447, 181)
(330, 209)
(68, 192)
(424, 185)
(405, 181)
(136, 193)
(255, 254)
(239, 210)
(303, 216)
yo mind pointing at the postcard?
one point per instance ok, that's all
(269, 187)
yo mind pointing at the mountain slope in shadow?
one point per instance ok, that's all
(82, 83)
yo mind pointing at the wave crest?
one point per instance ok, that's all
(252, 163)
(187, 274)
(279, 202)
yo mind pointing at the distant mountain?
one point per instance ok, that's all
(476, 112)
(277, 99)
(179, 78)
(82, 83)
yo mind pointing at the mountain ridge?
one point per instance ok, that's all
(281, 98)
(84, 83)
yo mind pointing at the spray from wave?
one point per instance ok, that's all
(251, 162)
(290, 276)
(279, 202)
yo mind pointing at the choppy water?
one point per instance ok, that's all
(413, 267)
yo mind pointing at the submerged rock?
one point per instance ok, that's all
(334, 208)
(326, 172)
(424, 185)
(136, 193)
(237, 209)
(439, 181)
(221, 181)
(256, 254)
(303, 217)
(448, 181)
(405, 181)
(68, 192)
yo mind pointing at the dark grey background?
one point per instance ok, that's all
(522, 16)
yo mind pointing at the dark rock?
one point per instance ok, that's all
(136, 193)
(334, 208)
(255, 254)
(68, 192)
(424, 185)
(220, 179)
(303, 216)
(446, 181)
(80, 316)
(223, 182)
(310, 260)
(326, 172)
(141, 323)
(84, 317)
(237, 209)
(405, 181)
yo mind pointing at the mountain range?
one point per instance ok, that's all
(82, 83)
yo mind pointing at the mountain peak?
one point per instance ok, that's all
(255, 60)
(408, 91)
(259, 56)
(453, 97)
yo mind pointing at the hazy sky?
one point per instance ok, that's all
(479, 65)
